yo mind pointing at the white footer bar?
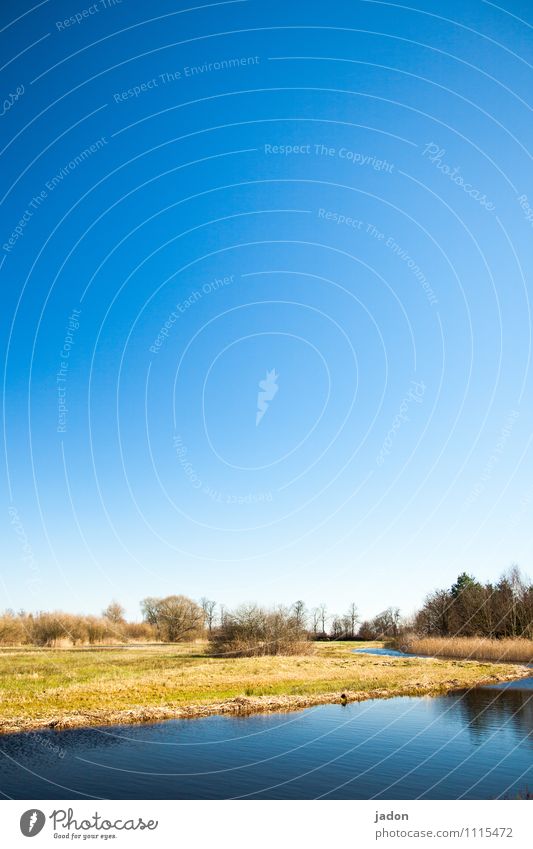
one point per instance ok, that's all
(267, 824)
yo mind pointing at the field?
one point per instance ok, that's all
(75, 687)
(475, 648)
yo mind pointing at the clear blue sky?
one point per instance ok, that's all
(333, 193)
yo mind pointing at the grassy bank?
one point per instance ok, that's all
(472, 648)
(76, 687)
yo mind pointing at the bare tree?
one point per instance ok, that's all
(518, 589)
(366, 631)
(434, 617)
(114, 613)
(176, 617)
(300, 613)
(323, 614)
(149, 610)
(351, 619)
(337, 628)
(209, 608)
(386, 624)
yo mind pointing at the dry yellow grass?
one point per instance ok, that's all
(69, 687)
(473, 648)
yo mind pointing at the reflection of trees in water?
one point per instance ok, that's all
(485, 711)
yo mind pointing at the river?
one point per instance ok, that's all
(472, 745)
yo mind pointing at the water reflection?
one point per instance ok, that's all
(489, 710)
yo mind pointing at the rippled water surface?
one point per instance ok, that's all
(476, 745)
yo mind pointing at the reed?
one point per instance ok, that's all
(471, 648)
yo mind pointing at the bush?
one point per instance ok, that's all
(252, 631)
(51, 629)
(138, 631)
(47, 629)
(98, 630)
(12, 631)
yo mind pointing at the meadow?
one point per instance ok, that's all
(70, 687)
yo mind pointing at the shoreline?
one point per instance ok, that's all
(241, 706)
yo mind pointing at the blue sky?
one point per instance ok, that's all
(336, 194)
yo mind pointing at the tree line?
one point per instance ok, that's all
(468, 608)
(177, 618)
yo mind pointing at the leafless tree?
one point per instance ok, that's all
(176, 617)
(114, 613)
(386, 624)
(315, 620)
(323, 614)
(434, 617)
(351, 619)
(366, 631)
(300, 613)
(209, 608)
(149, 607)
(337, 628)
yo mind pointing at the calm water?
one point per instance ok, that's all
(477, 745)
(386, 652)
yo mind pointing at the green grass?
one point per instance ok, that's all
(38, 686)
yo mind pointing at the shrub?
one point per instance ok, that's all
(53, 629)
(98, 630)
(252, 631)
(12, 631)
(46, 628)
(138, 631)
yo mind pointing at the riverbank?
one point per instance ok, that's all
(68, 688)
